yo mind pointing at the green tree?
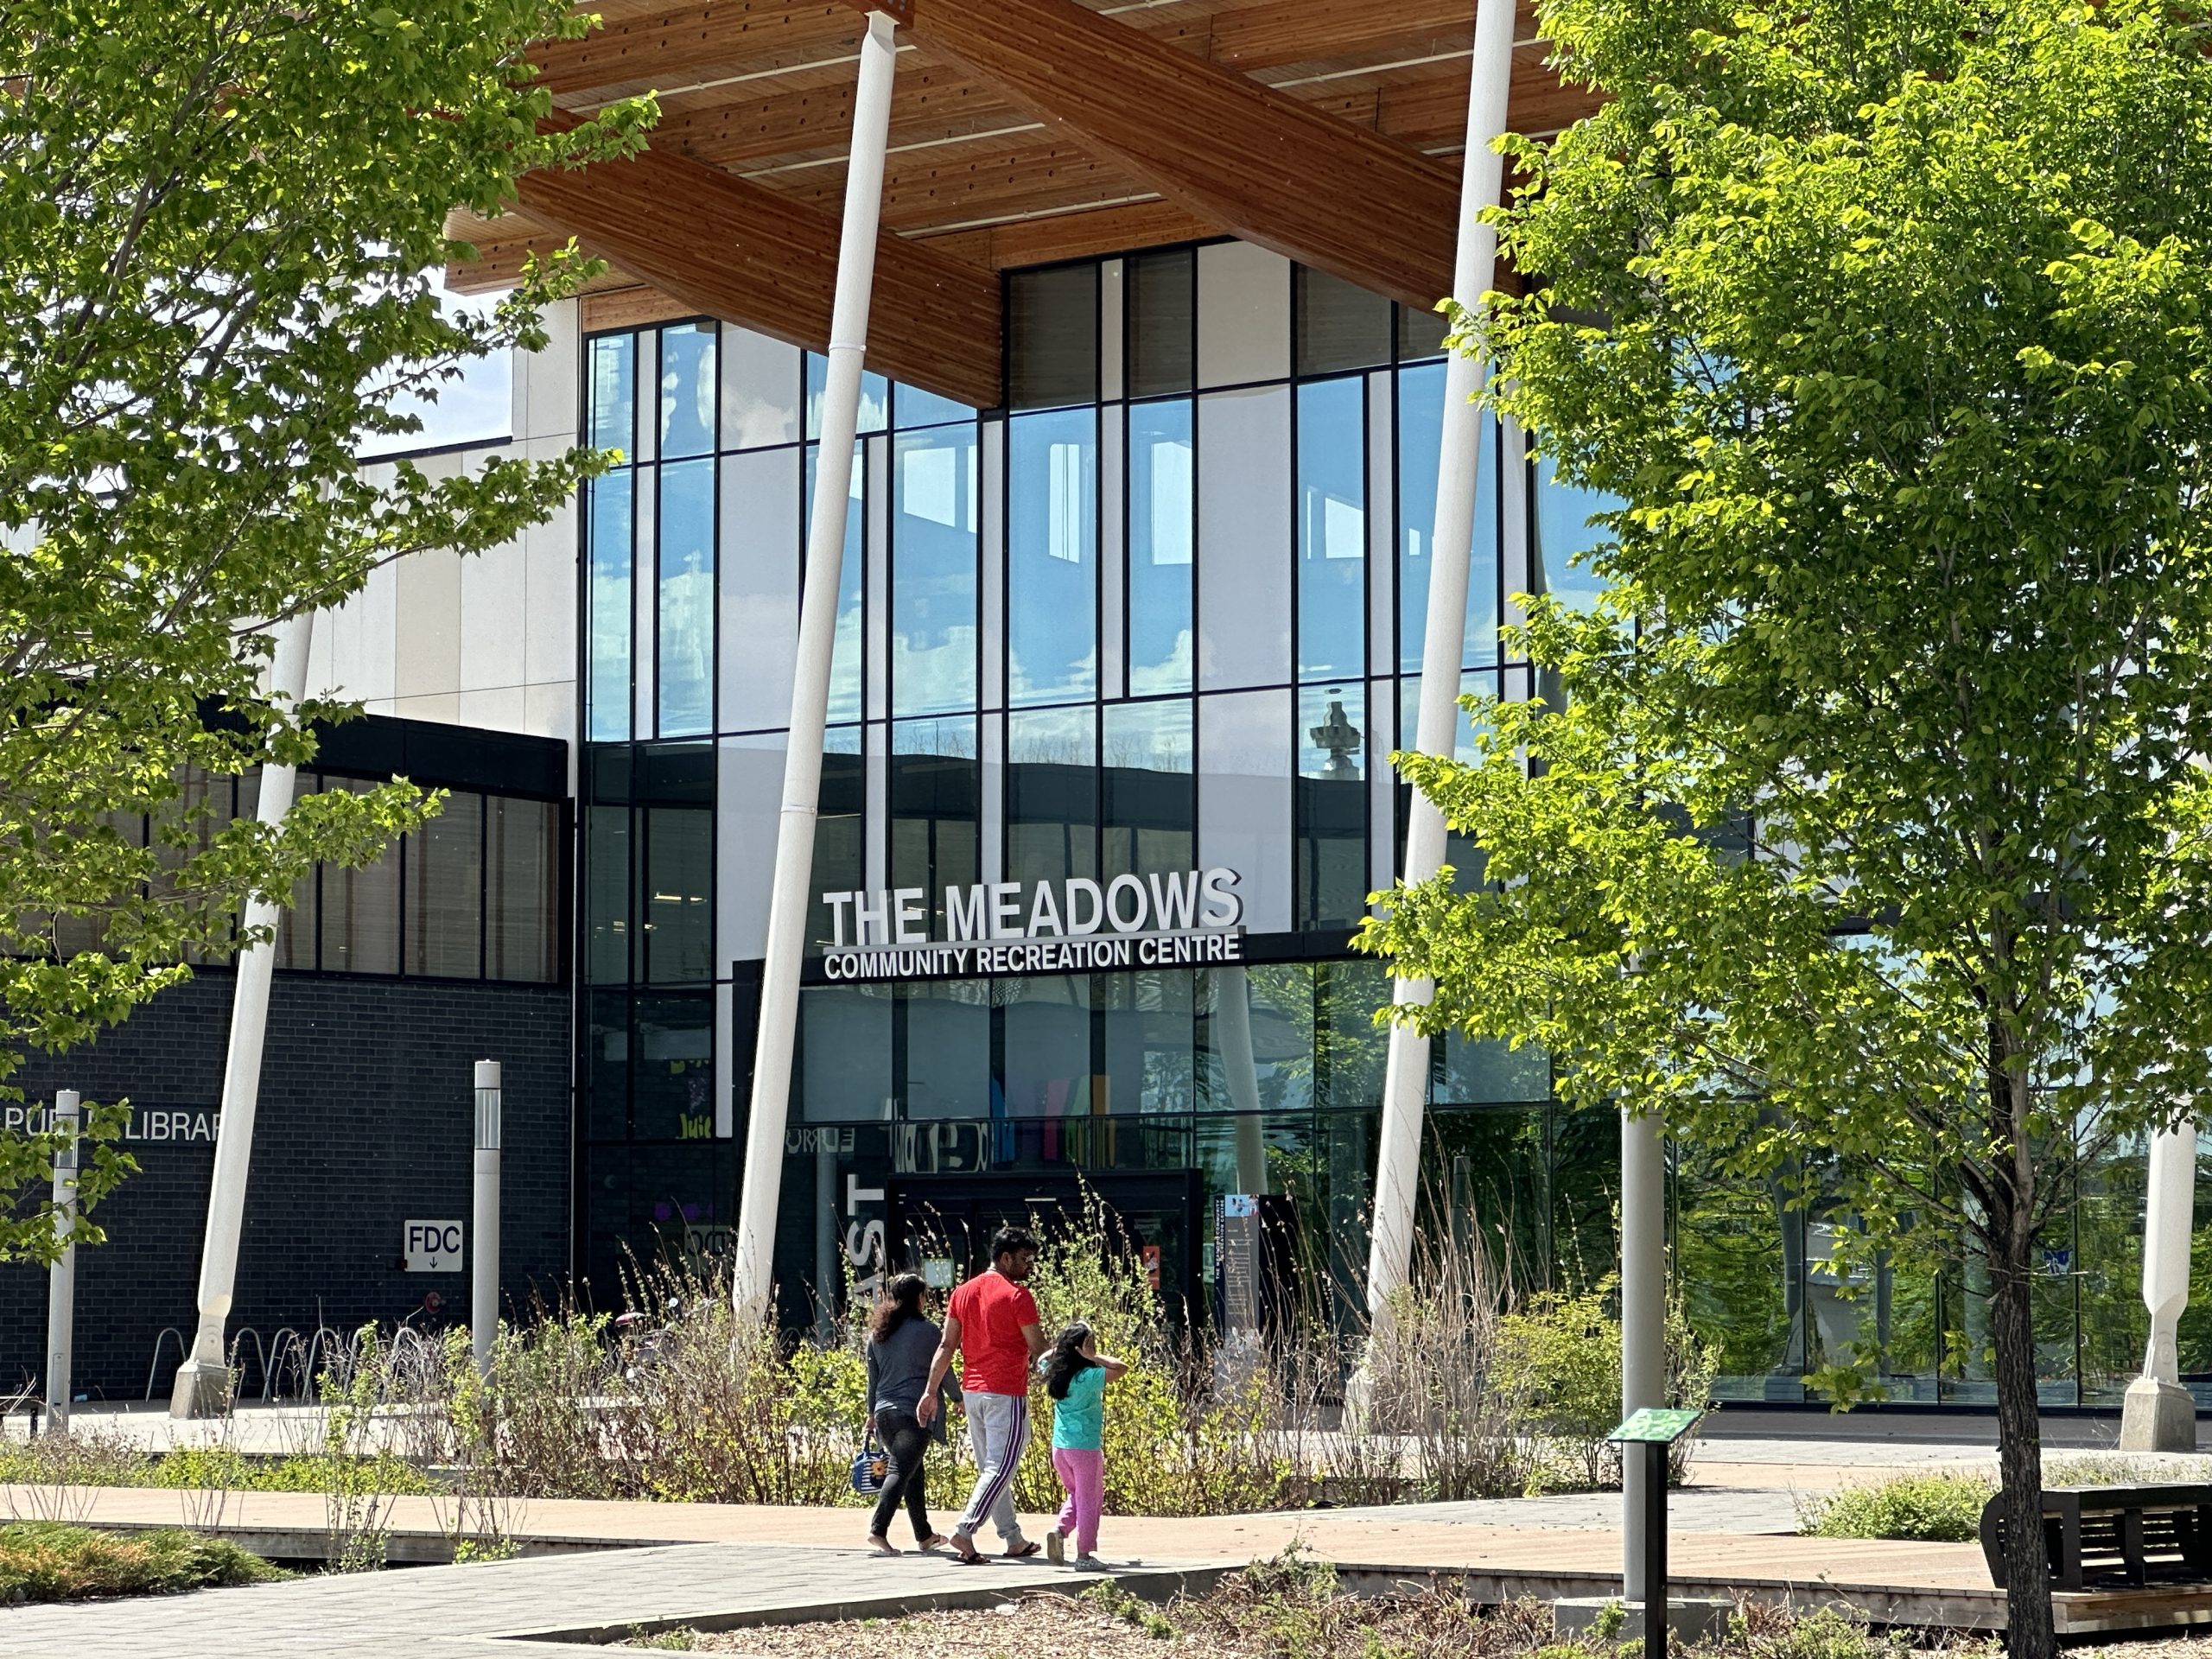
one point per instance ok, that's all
(217, 223)
(1872, 822)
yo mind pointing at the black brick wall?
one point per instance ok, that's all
(366, 1120)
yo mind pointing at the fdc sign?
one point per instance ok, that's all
(433, 1247)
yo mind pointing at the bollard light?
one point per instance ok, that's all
(484, 1259)
(61, 1278)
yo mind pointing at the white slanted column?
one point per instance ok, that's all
(788, 906)
(2158, 1415)
(1232, 1028)
(203, 1381)
(1444, 643)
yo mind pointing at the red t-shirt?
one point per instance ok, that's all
(992, 1310)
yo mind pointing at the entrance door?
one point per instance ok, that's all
(950, 1218)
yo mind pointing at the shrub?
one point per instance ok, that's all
(81, 1458)
(50, 1561)
(193, 1468)
(1559, 1366)
(1941, 1509)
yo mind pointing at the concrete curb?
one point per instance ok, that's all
(1151, 1584)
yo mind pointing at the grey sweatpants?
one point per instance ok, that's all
(998, 1427)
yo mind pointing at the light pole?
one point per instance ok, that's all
(484, 1259)
(1643, 1331)
(62, 1279)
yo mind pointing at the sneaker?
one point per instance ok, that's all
(1056, 1549)
(1091, 1564)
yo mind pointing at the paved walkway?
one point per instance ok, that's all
(451, 1612)
(493, 1608)
(606, 1567)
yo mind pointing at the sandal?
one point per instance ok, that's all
(1029, 1547)
(881, 1545)
(934, 1542)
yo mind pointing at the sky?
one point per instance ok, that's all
(470, 410)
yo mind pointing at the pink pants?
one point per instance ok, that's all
(1083, 1474)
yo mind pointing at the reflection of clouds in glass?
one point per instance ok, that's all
(845, 666)
(1170, 673)
(934, 567)
(847, 653)
(608, 526)
(1052, 527)
(610, 655)
(939, 674)
(1070, 679)
(687, 597)
(1562, 537)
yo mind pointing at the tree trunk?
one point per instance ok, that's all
(2028, 1632)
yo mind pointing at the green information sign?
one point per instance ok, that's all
(1655, 1426)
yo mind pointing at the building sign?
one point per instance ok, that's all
(1185, 919)
(432, 1246)
(183, 1123)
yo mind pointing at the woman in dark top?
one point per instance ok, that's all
(901, 1342)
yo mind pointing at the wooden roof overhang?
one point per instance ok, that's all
(1022, 131)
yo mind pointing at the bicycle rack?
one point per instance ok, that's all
(260, 1353)
(273, 1367)
(153, 1369)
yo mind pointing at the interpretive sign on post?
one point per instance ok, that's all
(1236, 1249)
(1655, 1428)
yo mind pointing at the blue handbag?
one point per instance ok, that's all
(868, 1469)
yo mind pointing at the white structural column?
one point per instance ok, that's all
(2158, 1415)
(203, 1381)
(788, 902)
(1644, 1318)
(484, 1249)
(61, 1278)
(1232, 1035)
(1444, 645)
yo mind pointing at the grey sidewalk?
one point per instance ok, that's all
(476, 1611)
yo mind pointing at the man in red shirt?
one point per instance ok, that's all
(992, 1321)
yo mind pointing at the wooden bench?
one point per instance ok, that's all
(2096, 1535)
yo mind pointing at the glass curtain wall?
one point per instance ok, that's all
(474, 893)
(1163, 609)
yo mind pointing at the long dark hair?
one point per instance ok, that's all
(1067, 1360)
(902, 1300)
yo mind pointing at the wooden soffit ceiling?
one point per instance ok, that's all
(1022, 131)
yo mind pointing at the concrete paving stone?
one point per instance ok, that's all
(448, 1611)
